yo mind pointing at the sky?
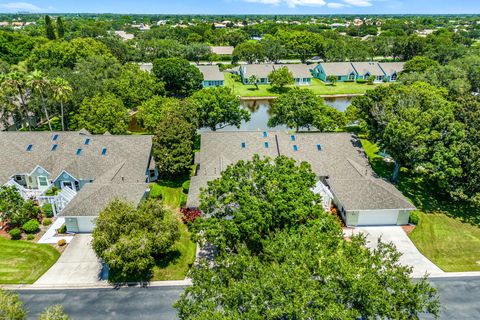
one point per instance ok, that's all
(246, 6)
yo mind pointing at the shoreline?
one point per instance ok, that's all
(344, 95)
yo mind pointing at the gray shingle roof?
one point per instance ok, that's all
(94, 197)
(211, 73)
(263, 70)
(337, 68)
(368, 67)
(391, 67)
(335, 157)
(126, 160)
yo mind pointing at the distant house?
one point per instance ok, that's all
(367, 69)
(344, 176)
(222, 50)
(124, 35)
(301, 72)
(87, 170)
(343, 71)
(392, 70)
(351, 71)
(212, 76)
(146, 66)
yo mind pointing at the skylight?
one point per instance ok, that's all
(292, 137)
(87, 141)
(104, 151)
(295, 147)
(243, 145)
(79, 152)
(29, 147)
(55, 137)
(54, 147)
(265, 144)
(319, 147)
(265, 134)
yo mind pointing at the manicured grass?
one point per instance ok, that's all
(170, 191)
(24, 262)
(448, 232)
(177, 263)
(317, 86)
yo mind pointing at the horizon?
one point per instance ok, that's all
(245, 7)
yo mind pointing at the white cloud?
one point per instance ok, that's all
(359, 3)
(335, 5)
(292, 3)
(21, 6)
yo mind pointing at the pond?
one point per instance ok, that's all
(260, 112)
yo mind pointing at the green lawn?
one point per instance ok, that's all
(176, 263)
(448, 232)
(24, 262)
(317, 86)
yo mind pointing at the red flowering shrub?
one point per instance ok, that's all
(190, 214)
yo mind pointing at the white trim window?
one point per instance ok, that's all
(42, 182)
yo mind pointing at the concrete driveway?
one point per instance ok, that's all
(410, 254)
(77, 265)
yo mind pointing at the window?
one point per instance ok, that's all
(393, 77)
(339, 78)
(87, 141)
(78, 152)
(295, 147)
(104, 151)
(29, 147)
(265, 134)
(54, 147)
(244, 145)
(42, 181)
(265, 144)
(292, 137)
(319, 147)
(55, 137)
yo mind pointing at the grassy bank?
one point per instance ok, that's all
(317, 86)
(448, 232)
(23, 262)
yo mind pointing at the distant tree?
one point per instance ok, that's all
(151, 112)
(60, 28)
(218, 108)
(197, 51)
(249, 51)
(273, 48)
(293, 278)
(49, 29)
(54, 312)
(235, 37)
(40, 86)
(419, 64)
(371, 79)
(62, 92)
(129, 239)
(100, 114)
(281, 77)
(180, 77)
(471, 65)
(332, 79)
(173, 145)
(253, 79)
(16, 92)
(11, 307)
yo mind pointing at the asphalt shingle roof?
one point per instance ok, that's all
(337, 68)
(264, 69)
(222, 50)
(211, 73)
(371, 68)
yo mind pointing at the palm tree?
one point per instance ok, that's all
(40, 84)
(62, 92)
(16, 84)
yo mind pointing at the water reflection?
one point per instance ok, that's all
(261, 111)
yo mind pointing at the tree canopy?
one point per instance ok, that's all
(281, 77)
(180, 77)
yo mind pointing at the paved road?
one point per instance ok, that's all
(125, 303)
(459, 296)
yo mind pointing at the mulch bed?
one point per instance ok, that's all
(408, 228)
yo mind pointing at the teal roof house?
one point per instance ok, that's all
(212, 76)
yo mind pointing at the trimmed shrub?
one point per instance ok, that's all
(47, 210)
(62, 229)
(61, 242)
(30, 237)
(186, 186)
(31, 226)
(46, 222)
(414, 218)
(189, 214)
(361, 81)
(155, 192)
(15, 234)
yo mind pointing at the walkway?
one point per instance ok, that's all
(49, 236)
(78, 265)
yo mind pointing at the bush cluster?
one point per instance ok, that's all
(47, 210)
(15, 234)
(189, 215)
(414, 218)
(31, 226)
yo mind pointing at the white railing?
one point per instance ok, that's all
(64, 198)
(24, 192)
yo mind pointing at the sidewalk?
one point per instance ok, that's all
(49, 236)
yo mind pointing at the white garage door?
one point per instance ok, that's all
(377, 218)
(85, 224)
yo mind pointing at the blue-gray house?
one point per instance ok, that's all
(351, 71)
(212, 76)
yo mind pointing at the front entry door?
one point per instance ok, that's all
(67, 184)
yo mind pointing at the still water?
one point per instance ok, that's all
(260, 112)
